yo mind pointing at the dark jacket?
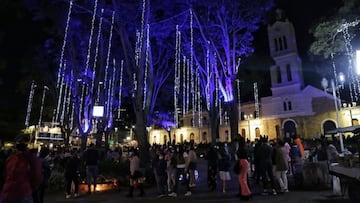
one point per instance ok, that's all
(161, 167)
(91, 157)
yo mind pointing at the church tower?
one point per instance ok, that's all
(286, 74)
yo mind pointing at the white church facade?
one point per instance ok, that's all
(293, 109)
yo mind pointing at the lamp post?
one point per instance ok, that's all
(248, 118)
(334, 88)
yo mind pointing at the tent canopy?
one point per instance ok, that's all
(352, 129)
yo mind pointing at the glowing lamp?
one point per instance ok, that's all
(98, 111)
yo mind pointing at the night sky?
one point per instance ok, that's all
(18, 34)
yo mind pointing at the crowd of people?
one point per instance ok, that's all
(268, 162)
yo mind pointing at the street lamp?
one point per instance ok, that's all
(248, 118)
(334, 88)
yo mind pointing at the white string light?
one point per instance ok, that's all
(238, 93)
(134, 85)
(60, 98)
(349, 53)
(107, 83)
(184, 86)
(147, 63)
(64, 104)
(42, 104)
(90, 37)
(256, 96)
(177, 75)
(109, 51)
(192, 72)
(64, 44)
(207, 88)
(30, 102)
(120, 87)
(96, 51)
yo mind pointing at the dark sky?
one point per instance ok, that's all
(18, 33)
(303, 14)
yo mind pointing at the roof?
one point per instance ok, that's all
(353, 129)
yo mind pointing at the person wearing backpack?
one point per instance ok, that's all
(22, 173)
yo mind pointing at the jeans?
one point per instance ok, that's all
(92, 173)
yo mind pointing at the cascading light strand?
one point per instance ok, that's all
(30, 102)
(120, 88)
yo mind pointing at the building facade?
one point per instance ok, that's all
(293, 109)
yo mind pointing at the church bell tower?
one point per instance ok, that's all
(286, 74)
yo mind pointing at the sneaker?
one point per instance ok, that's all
(265, 192)
(273, 192)
(161, 196)
(68, 196)
(76, 195)
(192, 185)
(172, 194)
(188, 193)
(286, 190)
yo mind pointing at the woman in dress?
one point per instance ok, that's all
(243, 155)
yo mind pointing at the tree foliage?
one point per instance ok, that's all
(327, 33)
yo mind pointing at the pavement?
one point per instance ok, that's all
(202, 194)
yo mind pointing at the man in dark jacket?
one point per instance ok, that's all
(91, 157)
(265, 163)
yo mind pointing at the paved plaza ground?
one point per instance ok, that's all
(202, 194)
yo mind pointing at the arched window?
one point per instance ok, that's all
(285, 106)
(276, 45)
(281, 44)
(257, 132)
(289, 105)
(285, 43)
(329, 125)
(288, 72)
(278, 74)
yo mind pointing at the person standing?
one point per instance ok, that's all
(22, 173)
(136, 177)
(46, 172)
(191, 165)
(171, 172)
(161, 172)
(243, 155)
(72, 165)
(212, 158)
(281, 166)
(224, 165)
(91, 157)
(265, 156)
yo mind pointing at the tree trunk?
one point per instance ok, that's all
(214, 122)
(234, 118)
(83, 142)
(141, 137)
